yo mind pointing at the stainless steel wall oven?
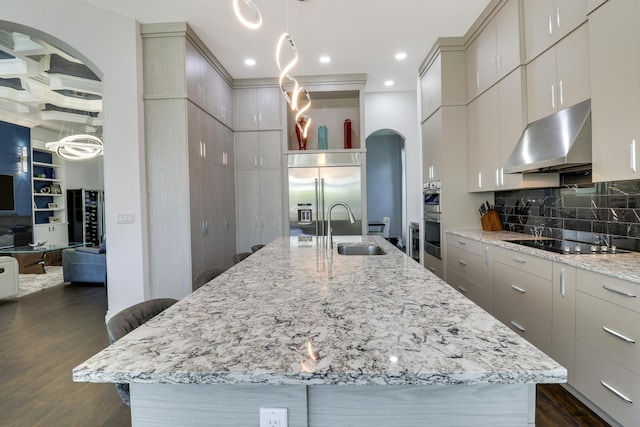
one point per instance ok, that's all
(431, 216)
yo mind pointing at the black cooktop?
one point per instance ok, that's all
(568, 246)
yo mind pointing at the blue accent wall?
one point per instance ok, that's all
(12, 139)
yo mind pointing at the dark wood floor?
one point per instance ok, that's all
(43, 336)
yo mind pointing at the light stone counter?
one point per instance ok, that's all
(623, 265)
(290, 315)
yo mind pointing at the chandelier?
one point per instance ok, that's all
(76, 147)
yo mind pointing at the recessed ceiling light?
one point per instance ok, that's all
(250, 62)
(400, 56)
(325, 59)
(389, 83)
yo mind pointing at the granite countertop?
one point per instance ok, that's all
(289, 314)
(623, 265)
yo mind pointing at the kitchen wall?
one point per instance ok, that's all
(587, 212)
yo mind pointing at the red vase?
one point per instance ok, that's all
(302, 140)
(347, 134)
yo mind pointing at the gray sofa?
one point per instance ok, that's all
(85, 264)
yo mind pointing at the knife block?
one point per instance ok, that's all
(491, 221)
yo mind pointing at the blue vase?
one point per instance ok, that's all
(322, 138)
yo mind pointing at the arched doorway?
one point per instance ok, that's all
(386, 181)
(111, 48)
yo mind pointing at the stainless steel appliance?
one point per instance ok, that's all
(568, 247)
(316, 180)
(431, 218)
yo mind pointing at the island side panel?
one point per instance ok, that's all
(417, 406)
(326, 405)
(157, 405)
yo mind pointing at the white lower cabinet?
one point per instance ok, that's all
(522, 295)
(563, 320)
(586, 321)
(607, 353)
(51, 233)
(468, 270)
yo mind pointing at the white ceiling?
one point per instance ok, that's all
(360, 36)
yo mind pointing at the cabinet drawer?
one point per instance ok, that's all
(476, 292)
(466, 263)
(534, 328)
(472, 246)
(594, 373)
(526, 291)
(610, 329)
(531, 264)
(617, 291)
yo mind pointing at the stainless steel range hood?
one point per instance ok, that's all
(560, 142)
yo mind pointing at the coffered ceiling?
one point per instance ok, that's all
(41, 85)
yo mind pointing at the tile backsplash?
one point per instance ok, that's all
(607, 212)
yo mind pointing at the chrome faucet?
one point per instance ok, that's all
(352, 219)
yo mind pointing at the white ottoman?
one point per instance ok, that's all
(8, 276)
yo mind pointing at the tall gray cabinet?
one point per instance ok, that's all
(259, 163)
(188, 102)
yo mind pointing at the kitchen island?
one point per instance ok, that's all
(337, 340)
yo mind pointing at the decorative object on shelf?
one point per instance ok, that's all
(347, 134)
(38, 245)
(52, 205)
(323, 144)
(56, 189)
(42, 175)
(255, 17)
(54, 219)
(45, 190)
(300, 134)
(76, 147)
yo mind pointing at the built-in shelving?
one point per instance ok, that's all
(48, 195)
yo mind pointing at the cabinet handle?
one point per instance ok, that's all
(461, 289)
(497, 177)
(260, 118)
(558, 18)
(618, 335)
(553, 97)
(633, 155)
(261, 161)
(519, 289)
(486, 256)
(479, 179)
(550, 25)
(255, 161)
(462, 243)
(255, 119)
(461, 262)
(562, 283)
(619, 292)
(478, 79)
(560, 93)
(432, 269)
(502, 177)
(518, 260)
(616, 392)
(517, 326)
(499, 63)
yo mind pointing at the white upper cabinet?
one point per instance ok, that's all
(615, 90)
(559, 78)
(441, 82)
(495, 121)
(548, 21)
(495, 52)
(258, 108)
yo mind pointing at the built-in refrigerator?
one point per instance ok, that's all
(316, 180)
(85, 211)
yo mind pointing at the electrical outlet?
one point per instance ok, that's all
(125, 218)
(273, 417)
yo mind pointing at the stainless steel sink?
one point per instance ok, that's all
(345, 249)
